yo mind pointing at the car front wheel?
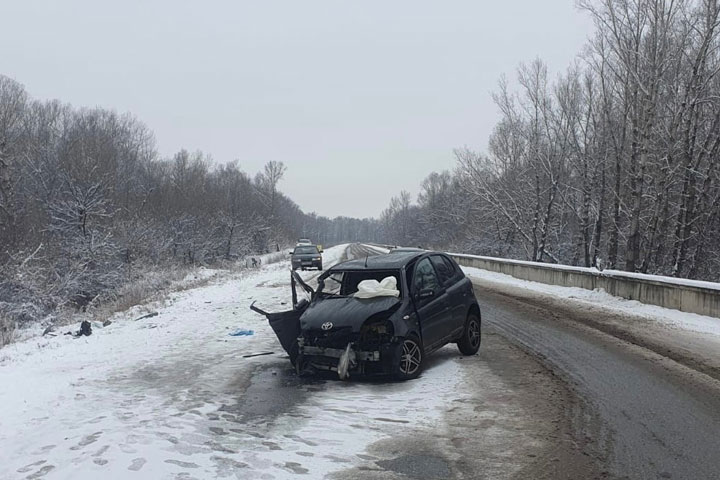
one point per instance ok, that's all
(469, 344)
(411, 358)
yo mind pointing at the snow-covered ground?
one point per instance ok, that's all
(163, 397)
(665, 316)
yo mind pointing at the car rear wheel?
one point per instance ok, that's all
(411, 358)
(469, 344)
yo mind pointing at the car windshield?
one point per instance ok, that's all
(345, 283)
(306, 250)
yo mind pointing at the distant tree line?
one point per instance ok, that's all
(87, 204)
(616, 162)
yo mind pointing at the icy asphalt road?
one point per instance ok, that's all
(651, 417)
(173, 397)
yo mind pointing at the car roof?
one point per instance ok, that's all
(379, 262)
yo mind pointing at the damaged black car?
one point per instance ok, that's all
(379, 315)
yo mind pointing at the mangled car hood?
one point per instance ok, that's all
(345, 311)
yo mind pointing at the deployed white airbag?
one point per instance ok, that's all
(372, 288)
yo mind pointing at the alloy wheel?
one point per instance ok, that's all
(410, 358)
(474, 333)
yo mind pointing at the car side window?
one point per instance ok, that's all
(444, 271)
(425, 277)
(451, 265)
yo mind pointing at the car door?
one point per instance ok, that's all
(449, 276)
(431, 303)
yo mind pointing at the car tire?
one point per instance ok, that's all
(319, 268)
(411, 357)
(469, 343)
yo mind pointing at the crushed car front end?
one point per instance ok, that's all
(355, 324)
(373, 350)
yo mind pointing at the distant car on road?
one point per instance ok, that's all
(306, 256)
(380, 315)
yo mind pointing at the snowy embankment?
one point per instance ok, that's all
(572, 295)
(377, 248)
(173, 395)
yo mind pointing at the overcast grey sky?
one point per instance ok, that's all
(359, 99)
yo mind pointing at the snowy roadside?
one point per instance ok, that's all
(61, 394)
(380, 250)
(149, 287)
(154, 291)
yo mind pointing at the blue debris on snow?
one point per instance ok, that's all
(242, 333)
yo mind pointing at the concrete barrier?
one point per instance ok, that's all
(685, 295)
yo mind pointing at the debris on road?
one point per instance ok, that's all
(242, 333)
(346, 362)
(250, 355)
(149, 315)
(85, 330)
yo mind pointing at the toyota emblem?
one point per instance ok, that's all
(327, 325)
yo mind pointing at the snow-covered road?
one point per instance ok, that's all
(173, 397)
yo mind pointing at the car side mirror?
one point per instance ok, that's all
(291, 252)
(426, 293)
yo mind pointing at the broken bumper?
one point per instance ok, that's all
(338, 353)
(375, 361)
